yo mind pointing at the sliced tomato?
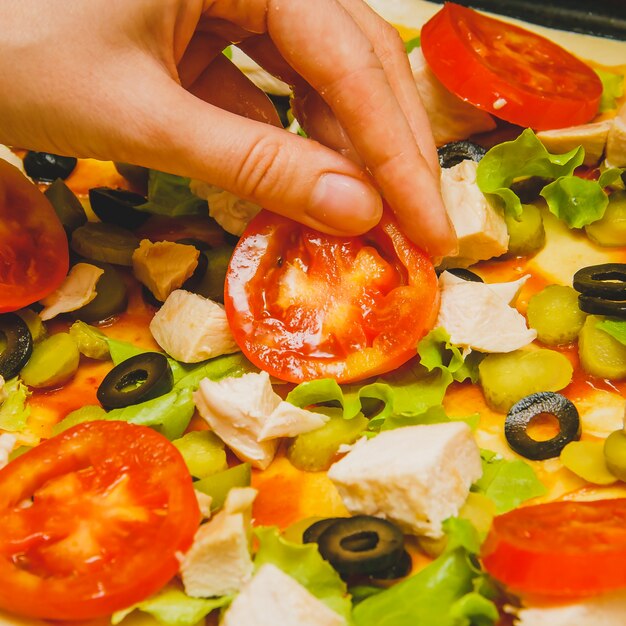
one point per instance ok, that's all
(34, 256)
(303, 305)
(92, 521)
(560, 548)
(510, 72)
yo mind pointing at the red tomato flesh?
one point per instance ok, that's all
(304, 305)
(560, 548)
(92, 520)
(514, 74)
(34, 256)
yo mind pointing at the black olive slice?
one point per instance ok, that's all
(465, 274)
(361, 545)
(313, 532)
(523, 412)
(19, 345)
(140, 378)
(400, 569)
(47, 167)
(199, 244)
(607, 281)
(528, 189)
(454, 153)
(149, 298)
(602, 306)
(195, 280)
(117, 206)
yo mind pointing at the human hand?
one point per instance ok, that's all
(145, 82)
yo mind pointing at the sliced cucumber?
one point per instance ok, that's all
(555, 315)
(54, 361)
(507, 378)
(600, 354)
(315, 451)
(611, 229)
(526, 235)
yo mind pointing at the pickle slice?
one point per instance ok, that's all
(105, 242)
(600, 354)
(555, 315)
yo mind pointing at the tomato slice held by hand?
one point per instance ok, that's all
(514, 74)
(34, 256)
(304, 305)
(560, 548)
(92, 520)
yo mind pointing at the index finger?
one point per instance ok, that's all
(340, 63)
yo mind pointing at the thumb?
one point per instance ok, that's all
(280, 171)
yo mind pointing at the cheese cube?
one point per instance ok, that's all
(164, 266)
(416, 476)
(273, 598)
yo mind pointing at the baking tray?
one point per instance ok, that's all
(602, 18)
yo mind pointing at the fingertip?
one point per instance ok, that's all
(344, 203)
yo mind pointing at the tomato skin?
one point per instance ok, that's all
(560, 549)
(488, 62)
(34, 256)
(303, 305)
(112, 505)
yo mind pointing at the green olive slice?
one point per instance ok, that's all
(19, 345)
(138, 379)
(522, 414)
(105, 242)
(361, 545)
(111, 297)
(607, 281)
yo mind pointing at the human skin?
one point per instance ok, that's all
(144, 82)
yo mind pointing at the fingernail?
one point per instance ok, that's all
(345, 203)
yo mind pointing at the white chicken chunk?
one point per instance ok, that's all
(6, 154)
(451, 118)
(7, 443)
(616, 141)
(191, 328)
(260, 77)
(228, 210)
(219, 562)
(249, 416)
(77, 290)
(416, 476)
(479, 226)
(164, 266)
(592, 137)
(273, 598)
(479, 315)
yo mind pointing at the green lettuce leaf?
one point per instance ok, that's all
(304, 563)
(88, 413)
(612, 89)
(14, 411)
(170, 414)
(448, 592)
(436, 352)
(411, 44)
(525, 156)
(170, 195)
(612, 177)
(409, 391)
(615, 328)
(507, 483)
(172, 607)
(576, 201)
